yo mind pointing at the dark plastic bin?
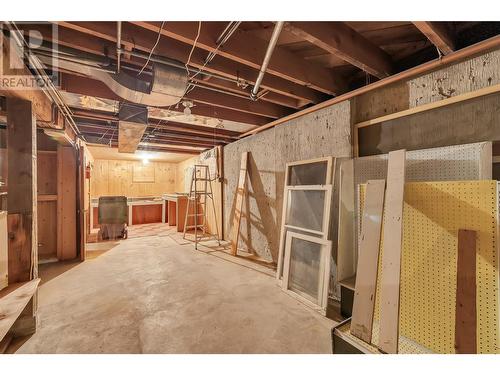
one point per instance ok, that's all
(113, 217)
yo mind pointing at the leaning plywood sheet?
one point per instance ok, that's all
(129, 136)
(346, 256)
(366, 277)
(391, 255)
(13, 303)
(433, 214)
(451, 163)
(240, 194)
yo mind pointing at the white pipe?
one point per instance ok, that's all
(118, 44)
(270, 48)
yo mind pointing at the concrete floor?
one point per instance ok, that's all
(154, 295)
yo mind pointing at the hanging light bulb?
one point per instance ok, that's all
(187, 107)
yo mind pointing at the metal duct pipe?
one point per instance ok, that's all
(118, 45)
(167, 87)
(270, 48)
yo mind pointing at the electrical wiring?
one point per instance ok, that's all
(223, 38)
(153, 48)
(193, 47)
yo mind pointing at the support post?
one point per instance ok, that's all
(22, 204)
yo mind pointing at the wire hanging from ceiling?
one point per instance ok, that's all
(153, 48)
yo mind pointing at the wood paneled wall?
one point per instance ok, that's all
(116, 177)
(47, 204)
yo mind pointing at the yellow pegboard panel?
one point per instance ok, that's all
(433, 213)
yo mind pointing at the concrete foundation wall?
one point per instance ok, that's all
(327, 132)
(323, 133)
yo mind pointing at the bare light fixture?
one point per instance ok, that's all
(187, 107)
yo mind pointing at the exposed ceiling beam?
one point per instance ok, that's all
(142, 39)
(92, 142)
(342, 41)
(196, 121)
(439, 33)
(250, 51)
(261, 108)
(92, 87)
(70, 82)
(158, 133)
(228, 86)
(168, 126)
(167, 141)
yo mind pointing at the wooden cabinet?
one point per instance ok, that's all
(146, 214)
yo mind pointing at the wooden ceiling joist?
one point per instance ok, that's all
(170, 126)
(339, 39)
(260, 108)
(92, 87)
(142, 39)
(149, 147)
(160, 140)
(250, 51)
(110, 131)
(439, 33)
(244, 92)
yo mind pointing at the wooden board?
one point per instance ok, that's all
(115, 177)
(391, 255)
(13, 300)
(95, 217)
(172, 213)
(47, 173)
(143, 172)
(240, 194)
(129, 136)
(346, 254)
(66, 203)
(466, 317)
(47, 229)
(21, 200)
(366, 277)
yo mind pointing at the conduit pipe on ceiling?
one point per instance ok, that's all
(118, 45)
(475, 49)
(270, 48)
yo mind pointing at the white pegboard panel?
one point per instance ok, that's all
(451, 163)
(466, 162)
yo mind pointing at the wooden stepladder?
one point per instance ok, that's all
(200, 193)
(240, 195)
